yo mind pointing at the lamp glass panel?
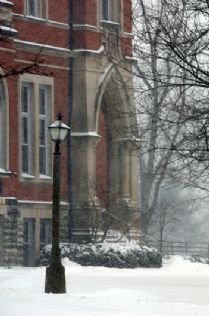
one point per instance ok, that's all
(63, 134)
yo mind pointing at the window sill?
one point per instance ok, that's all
(44, 21)
(40, 178)
(110, 25)
(109, 22)
(44, 177)
(27, 176)
(37, 18)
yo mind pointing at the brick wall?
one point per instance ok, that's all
(31, 30)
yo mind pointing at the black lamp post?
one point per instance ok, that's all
(55, 272)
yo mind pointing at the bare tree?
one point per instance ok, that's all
(10, 68)
(157, 104)
(172, 212)
(171, 48)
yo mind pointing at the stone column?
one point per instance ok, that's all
(135, 232)
(126, 208)
(83, 172)
(134, 172)
(113, 173)
(124, 192)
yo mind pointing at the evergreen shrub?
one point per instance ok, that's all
(130, 255)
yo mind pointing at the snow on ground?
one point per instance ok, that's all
(179, 288)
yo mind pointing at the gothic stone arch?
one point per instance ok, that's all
(101, 97)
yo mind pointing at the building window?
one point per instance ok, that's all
(28, 242)
(43, 130)
(2, 126)
(26, 128)
(31, 9)
(45, 232)
(36, 8)
(105, 10)
(36, 116)
(110, 10)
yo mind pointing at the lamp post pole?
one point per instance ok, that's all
(55, 272)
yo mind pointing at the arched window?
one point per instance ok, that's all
(36, 8)
(2, 126)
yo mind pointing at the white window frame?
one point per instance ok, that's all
(34, 116)
(28, 2)
(40, 8)
(114, 9)
(27, 115)
(43, 118)
(107, 3)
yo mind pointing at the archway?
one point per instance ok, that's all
(112, 154)
(103, 161)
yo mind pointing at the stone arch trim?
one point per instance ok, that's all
(121, 163)
(96, 84)
(111, 72)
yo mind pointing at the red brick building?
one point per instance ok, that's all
(47, 61)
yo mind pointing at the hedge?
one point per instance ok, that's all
(130, 255)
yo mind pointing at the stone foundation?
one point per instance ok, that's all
(13, 214)
(12, 240)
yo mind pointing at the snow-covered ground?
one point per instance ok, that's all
(179, 288)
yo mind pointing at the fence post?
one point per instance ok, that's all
(185, 248)
(172, 248)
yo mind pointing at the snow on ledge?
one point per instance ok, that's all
(40, 202)
(8, 30)
(4, 171)
(37, 19)
(85, 134)
(45, 177)
(28, 176)
(98, 51)
(109, 22)
(43, 46)
(8, 3)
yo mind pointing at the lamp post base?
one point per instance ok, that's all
(55, 279)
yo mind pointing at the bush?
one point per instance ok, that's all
(130, 255)
(197, 259)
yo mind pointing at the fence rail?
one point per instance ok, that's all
(166, 248)
(194, 249)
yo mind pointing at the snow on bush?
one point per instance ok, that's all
(130, 255)
(197, 259)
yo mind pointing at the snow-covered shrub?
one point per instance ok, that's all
(130, 255)
(197, 259)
